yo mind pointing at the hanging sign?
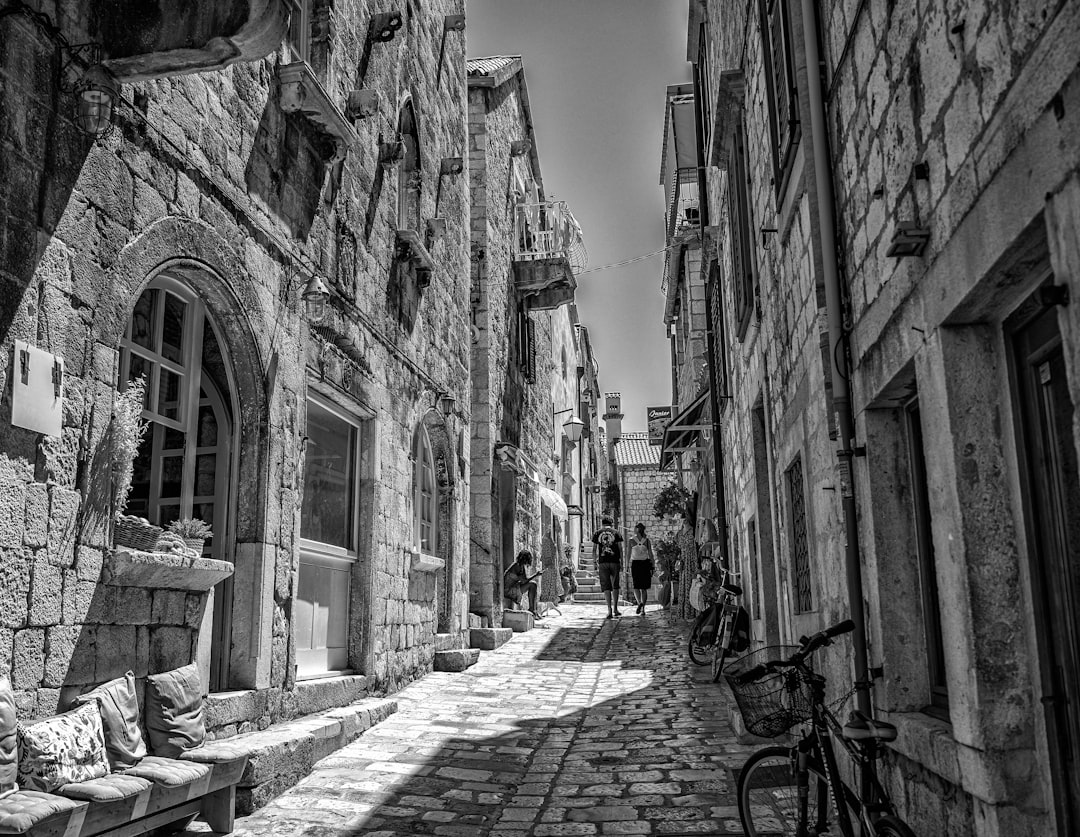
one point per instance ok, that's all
(37, 401)
(658, 419)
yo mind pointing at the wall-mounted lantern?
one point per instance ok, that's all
(519, 148)
(451, 166)
(453, 23)
(572, 427)
(384, 26)
(96, 94)
(316, 298)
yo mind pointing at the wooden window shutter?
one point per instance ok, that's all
(741, 235)
(530, 349)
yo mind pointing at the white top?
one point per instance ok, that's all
(639, 551)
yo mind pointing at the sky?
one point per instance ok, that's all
(597, 71)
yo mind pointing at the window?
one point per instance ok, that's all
(526, 345)
(800, 544)
(409, 183)
(328, 539)
(717, 333)
(743, 267)
(183, 464)
(425, 495)
(924, 544)
(752, 551)
(298, 38)
(776, 36)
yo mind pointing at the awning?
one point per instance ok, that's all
(683, 432)
(554, 501)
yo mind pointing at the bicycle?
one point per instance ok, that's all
(786, 790)
(713, 633)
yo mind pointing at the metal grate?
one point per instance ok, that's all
(800, 546)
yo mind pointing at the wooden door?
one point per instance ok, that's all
(1045, 411)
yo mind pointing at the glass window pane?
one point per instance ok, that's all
(167, 513)
(172, 328)
(173, 439)
(326, 513)
(208, 429)
(205, 474)
(140, 367)
(172, 475)
(142, 320)
(168, 401)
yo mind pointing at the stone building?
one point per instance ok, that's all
(591, 463)
(891, 246)
(640, 481)
(274, 235)
(525, 250)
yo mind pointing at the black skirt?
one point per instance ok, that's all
(641, 574)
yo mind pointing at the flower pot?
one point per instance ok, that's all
(135, 533)
(195, 543)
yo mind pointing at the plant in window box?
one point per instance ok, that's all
(193, 531)
(671, 502)
(126, 430)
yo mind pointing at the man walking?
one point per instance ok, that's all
(608, 560)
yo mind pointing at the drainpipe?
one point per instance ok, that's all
(710, 335)
(838, 348)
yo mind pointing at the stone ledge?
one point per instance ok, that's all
(162, 570)
(421, 563)
(280, 756)
(488, 639)
(518, 621)
(457, 660)
(449, 642)
(309, 696)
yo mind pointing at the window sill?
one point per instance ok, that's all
(302, 93)
(422, 563)
(929, 742)
(163, 570)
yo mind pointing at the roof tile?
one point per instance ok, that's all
(634, 449)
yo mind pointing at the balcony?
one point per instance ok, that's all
(683, 213)
(548, 249)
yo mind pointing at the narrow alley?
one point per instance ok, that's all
(580, 726)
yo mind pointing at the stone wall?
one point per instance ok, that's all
(206, 176)
(960, 126)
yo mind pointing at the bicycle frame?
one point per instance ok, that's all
(817, 744)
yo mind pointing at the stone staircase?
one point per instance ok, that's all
(588, 591)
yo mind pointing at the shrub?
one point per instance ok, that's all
(671, 501)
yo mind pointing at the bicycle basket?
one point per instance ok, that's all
(776, 701)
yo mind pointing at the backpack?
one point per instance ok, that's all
(740, 635)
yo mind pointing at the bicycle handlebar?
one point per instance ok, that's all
(808, 645)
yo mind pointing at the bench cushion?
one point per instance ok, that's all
(169, 772)
(174, 711)
(216, 752)
(62, 749)
(119, 708)
(9, 738)
(22, 810)
(106, 789)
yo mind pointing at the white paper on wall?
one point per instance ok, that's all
(37, 401)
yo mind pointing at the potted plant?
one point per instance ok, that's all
(671, 502)
(126, 430)
(194, 532)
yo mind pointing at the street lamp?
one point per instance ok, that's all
(316, 297)
(572, 428)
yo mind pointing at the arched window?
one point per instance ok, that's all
(425, 495)
(409, 171)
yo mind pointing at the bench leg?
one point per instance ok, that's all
(219, 809)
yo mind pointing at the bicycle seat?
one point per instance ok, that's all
(861, 728)
(734, 589)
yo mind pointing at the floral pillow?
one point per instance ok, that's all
(9, 739)
(63, 749)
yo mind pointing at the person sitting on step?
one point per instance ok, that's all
(517, 583)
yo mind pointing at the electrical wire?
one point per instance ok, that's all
(627, 261)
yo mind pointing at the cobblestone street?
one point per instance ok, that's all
(581, 726)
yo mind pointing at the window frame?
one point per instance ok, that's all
(775, 20)
(423, 453)
(740, 224)
(299, 52)
(924, 550)
(321, 554)
(799, 548)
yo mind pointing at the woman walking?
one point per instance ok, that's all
(641, 566)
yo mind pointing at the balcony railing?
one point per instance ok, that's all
(547, 231)
(683, 214)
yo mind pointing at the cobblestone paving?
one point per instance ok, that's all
(581, 726)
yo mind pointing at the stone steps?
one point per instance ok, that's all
(488, 639)
(448, 642)
(457, 659)
(283, 754)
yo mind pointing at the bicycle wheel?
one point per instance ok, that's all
(768, 795)
(891, 826)
(720, 652)
(699, 654)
